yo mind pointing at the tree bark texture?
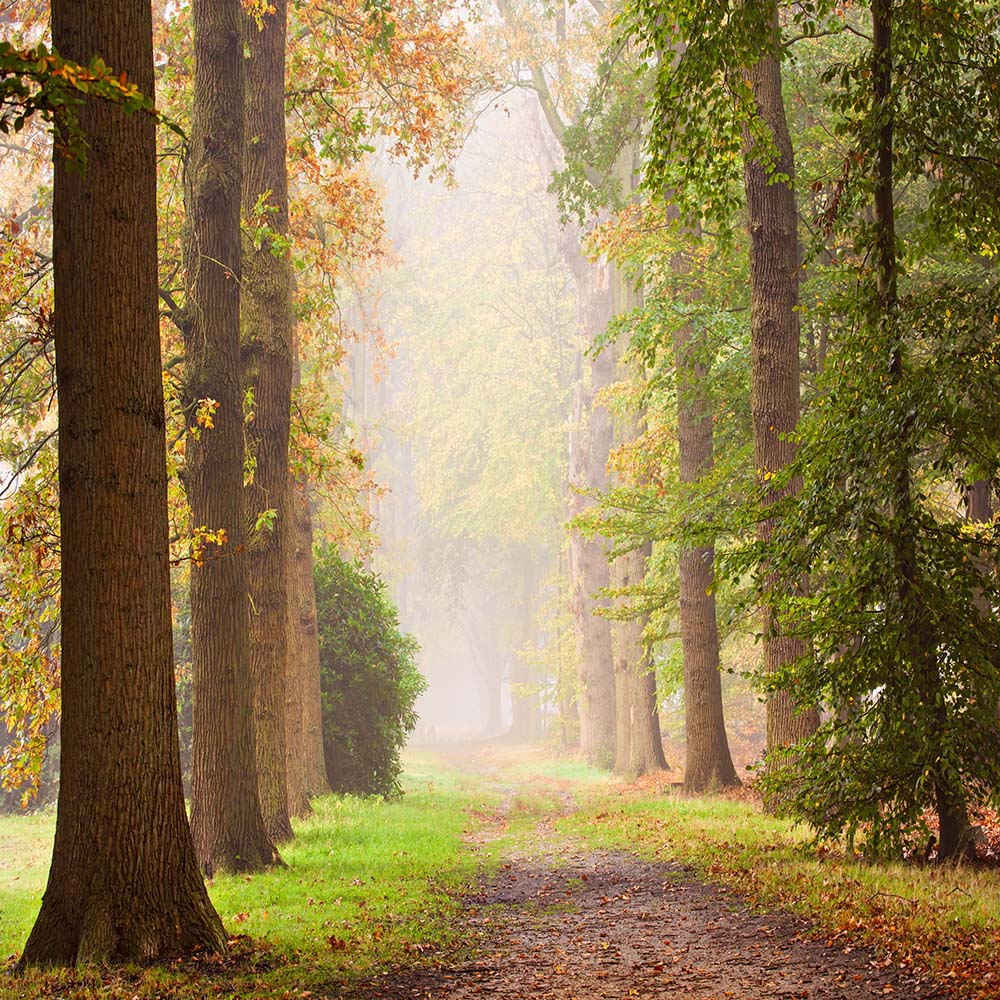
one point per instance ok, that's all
(267, 324)
(708, 763)
(124, 884)
(590, 445)
(298, 796)
(774, 344)
(226, 819)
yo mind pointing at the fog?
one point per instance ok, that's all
(468, 424)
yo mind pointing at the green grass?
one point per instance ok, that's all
(943, 919)
(25, 851)
(368, 883)
(360, 870)
(565, 769)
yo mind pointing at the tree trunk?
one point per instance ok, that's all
(709, 763)
(526, 719)
(639, 748)
(226, 821)
(624, 680)
(590, 446)
(949, 794)
(295, 775)
(302, 618)
(646, 749)
(124, 883)
(492, 676)
(638, 744)
(774, 345)
(267, 322)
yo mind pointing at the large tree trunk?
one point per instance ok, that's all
(225, 815)
(590, 445)
(268, 320)
(709, 763)
(774, 345)
(124, 884)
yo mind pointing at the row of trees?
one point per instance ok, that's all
(126, 876)
(855, 537)
(782, 414)
(738, 177)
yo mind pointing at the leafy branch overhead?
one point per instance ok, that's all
(37, 81)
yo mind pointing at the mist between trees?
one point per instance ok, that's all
(628, 371)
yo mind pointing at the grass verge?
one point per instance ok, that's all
(368, 883)
(941, 920)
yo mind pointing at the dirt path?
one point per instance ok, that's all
(609, 925)
(556, 923)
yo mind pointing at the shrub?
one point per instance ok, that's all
(368, 676)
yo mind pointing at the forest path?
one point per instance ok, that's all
(557, 922)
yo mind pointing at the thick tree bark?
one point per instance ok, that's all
(774, 344)
(124, 884)
(709, 763)
(590, 445)
(267, 324)
(225, 815)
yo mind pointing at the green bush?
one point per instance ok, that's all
(369, 678)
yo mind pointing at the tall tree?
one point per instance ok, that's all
(268, 321)
(225, 814)
(897, 638)
(638, 743)
(124, 883)
(671, 491)
(590, 445)
(772, 221)
(593, 437)
(303, 639)
(698, 103)
(708, 762)
(924, 654)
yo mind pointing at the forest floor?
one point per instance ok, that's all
(559, 921)
(509, 872)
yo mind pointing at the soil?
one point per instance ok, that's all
(609, 925)
(557, 923)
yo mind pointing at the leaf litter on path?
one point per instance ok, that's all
(607, 925)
